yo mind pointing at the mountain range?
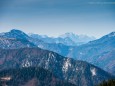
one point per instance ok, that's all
(12, 43)
(99, 52)
(35, 42)
(79, 73)
(19, 50)
(69, 39)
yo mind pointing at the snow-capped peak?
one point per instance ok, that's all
(37, 35)
(71, 35)
(77, 38)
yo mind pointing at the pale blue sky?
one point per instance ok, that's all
(55, 17)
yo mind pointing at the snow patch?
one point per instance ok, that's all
(40, 46)
(81, 53)
(66, 65)
(93, 71)
(8, 46)
(28, 45)
(26, 63)
(50, 56)
(71, 49)
(77, 69)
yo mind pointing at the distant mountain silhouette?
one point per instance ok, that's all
(69, 39)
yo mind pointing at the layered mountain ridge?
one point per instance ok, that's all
(69, 39)
(99, 52)
(79, 73)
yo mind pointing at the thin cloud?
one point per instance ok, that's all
(102, 3)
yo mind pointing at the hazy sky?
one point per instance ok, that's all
(55, 17)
